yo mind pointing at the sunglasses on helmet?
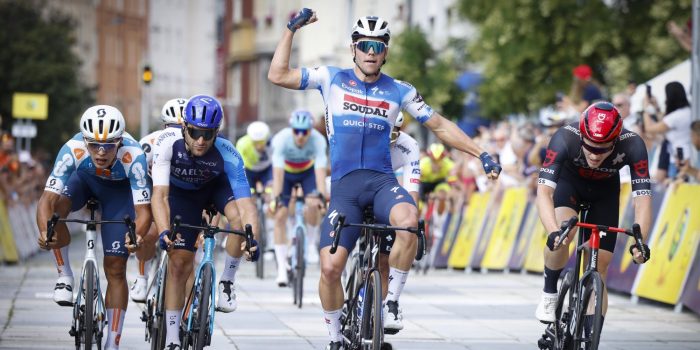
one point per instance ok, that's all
(377, 46)
(207, 134)
(597, 150)
(105, 147)
(301, 132)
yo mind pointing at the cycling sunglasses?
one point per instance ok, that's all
(207, 134)
(105, 147)
(300, 132)
(377, 46)
(597, 150)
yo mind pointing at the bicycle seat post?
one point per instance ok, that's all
(92, 206)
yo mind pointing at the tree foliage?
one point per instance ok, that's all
(412, 59)
(529, 47)
(36, 57)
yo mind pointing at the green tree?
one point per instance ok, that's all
(412, 59)
(528, 47)
(36, 57)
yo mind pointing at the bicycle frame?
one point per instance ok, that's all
(299, 224)
(90, 257)
(207, 259)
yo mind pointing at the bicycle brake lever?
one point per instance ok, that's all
(132, 229)
(421, 240)
(50, 226)
(248, 238)
(336, 236)
(637, 233)
(175, 227)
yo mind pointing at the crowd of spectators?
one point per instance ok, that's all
(21, 175)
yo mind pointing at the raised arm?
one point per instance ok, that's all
(280, 73)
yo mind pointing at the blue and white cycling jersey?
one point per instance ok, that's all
(130, 163)
(172, 163)
(286, 154)
(360, 116)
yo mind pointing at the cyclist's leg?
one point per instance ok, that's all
(312, 214)
(115, 202)
(344, 201)
(189, 205)
(393, 204)
(144, 258)
(384, 251)
(281, 243)
(566, 199)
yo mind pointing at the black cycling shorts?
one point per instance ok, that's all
(604, 198)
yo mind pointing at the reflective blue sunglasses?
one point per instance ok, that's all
(301, 132)
(377, 46)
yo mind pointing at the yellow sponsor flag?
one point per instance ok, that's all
(30, 106)
(474, 214)
(673, 244)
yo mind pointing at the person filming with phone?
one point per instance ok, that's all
(675, 124)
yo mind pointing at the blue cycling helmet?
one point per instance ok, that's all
(301, 119)
(204, 112)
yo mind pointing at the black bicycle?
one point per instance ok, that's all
(570, 330)
(89, 316)
(262, 244)
(361, 318)
(154, 314)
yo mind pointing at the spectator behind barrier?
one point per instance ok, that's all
(686, 168)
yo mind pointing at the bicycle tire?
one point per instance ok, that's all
(591, 290)
(299, 269)
(159, 327)
(561, 314)
(88, 314)
(203, 309)
(262, 245)
(372, 327)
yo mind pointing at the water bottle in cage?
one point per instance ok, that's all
(360, 299)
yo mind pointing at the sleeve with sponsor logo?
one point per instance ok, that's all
(319, 141)
(412, 102)
(65, 164)
(134, 161)
(411, 169)
(233, 166)
(554, 159)
(639, 166)
(277, 144)
(315, 78)
(147, 147)
(162, 155)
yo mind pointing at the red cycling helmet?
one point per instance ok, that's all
(600, 122)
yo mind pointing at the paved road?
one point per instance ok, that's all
(442, 310)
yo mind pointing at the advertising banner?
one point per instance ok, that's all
(691, 292)
(505, 232)
(473, 220)
(486, 230)
(673, 244)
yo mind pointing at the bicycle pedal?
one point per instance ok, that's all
(65, 303)
(72, 332)
(390, 331)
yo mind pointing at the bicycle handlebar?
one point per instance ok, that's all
(247, 232)
(55, 218)
(418, 231)
(635, 232)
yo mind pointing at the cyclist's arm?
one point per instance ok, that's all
(161, 207)
(280, 73)
(140, 189)
(320, 162)
(45, 208)
(548, 177)
(545, 207)
(63, 168)
(638, 162)
(450, 134)
(162, 154)
(277, 181)
(249, 214)
(277, 145)
(642, 214)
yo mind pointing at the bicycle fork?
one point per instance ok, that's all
(98, 302)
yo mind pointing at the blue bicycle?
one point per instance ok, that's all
(297, 258)
(198, 313)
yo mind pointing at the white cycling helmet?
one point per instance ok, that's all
(552, 117)
(371, 27)
(258, 131)
(172, 111)
(102, 123)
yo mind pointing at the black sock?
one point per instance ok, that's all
(551, 277)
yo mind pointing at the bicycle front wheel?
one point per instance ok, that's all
(158, 331)
(563, 312)
(88, 316)
(202, 311)
(589, 313)
(262, 245)
(300, 268)
(372, 328)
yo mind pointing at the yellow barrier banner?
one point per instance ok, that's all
(625, 196)
(673, 244)
(473, 220)
(7, 239)
(505, 231)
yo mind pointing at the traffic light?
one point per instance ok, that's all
(147, 74)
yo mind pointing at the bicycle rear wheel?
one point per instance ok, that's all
(372, 328)
(262, 245)
(201, 313)
(300, 268)
(587, 336)
(158, 324)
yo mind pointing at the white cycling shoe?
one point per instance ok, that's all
(546, 308)
(226, 300)
(139, 289)
(63, 292)
(393, 317)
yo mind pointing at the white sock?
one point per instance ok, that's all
(281, 255)
(115, 322)
(144, 266)
(230, 268)
(60, 258)
(397, 280)
(172, 319)
(311, 237)
(332, 319)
